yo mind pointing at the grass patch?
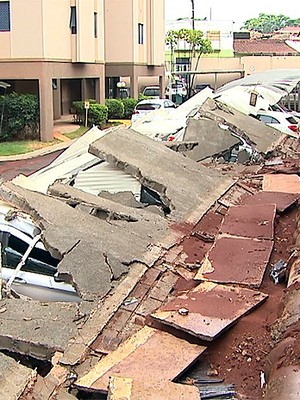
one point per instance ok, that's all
(76, 134)
(23, 146)
(26, 146)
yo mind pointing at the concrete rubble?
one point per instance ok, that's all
(159, 284)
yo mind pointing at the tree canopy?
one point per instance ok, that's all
(194, 41)
(270, 23)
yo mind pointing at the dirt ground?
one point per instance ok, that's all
(239, 355)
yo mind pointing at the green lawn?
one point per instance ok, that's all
(26, 146)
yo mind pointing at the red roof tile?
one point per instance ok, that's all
(262, 46)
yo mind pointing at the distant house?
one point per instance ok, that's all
(262, 47)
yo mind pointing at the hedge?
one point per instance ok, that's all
(115, 108)
(19, 117)
(129, 105)
(97, 113)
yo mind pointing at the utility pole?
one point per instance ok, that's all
(193, 14)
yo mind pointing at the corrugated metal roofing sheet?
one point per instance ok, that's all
(104, 177)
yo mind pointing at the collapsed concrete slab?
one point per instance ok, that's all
(95, 252)
(212, 140)
(255, 220)
(281, 183)
(36, 329)
(129, 389)
(263, 138)
(185, 187)
(282, 200)
(208, 310)
(166, 358)
(13, 377)
(236, 260)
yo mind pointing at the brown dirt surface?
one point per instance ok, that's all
(239, 355)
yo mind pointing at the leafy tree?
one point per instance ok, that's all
(269, 23)
(195, 41)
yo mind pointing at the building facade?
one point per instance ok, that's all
(69, 50)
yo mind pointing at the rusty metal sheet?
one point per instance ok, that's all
(281, 183)
(149, 355)
(236, 260)
(129, 389)
(254, 220)
(209, 309)
(281, 200)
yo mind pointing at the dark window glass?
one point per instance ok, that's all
(141, 33)
(148, 107)
(39, 254)
(4, 16)
(292, 120)
(95, 25)
(73, 20)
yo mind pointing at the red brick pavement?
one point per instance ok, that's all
(10, 169)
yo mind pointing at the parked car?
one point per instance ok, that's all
(282, 108)
(146, 106)
(152, 91)
(37, 278)
(284, 122)
(178, 88)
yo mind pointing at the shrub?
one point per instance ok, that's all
(115, 108)
(20, 117)
(79, 110)
(97, 114)
(129, 105)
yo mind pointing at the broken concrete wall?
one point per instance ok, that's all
(212, 140)
(262, 137)
(184, 186)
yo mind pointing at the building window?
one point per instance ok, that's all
(73, 20)
(141, 33)
(95, 25)
(4, 16)
(214, 36)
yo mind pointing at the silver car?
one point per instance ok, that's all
(27, 266)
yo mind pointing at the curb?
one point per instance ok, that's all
(38, 153)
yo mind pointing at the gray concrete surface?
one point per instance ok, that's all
(255, 132)
(13, 377)
(212, 140)
(95, 251)
(186, 187)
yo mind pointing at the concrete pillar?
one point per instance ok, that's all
(101, 84)
(162, 86)
(97, 90)
(56, 99)
(134, 86)
(84, 89)
(46, 108)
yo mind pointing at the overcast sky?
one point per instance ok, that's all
(231, 9)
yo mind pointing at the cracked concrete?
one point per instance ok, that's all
(36, 329)
(84, 241)
(212, 140)
(256, 133)
(174, 177)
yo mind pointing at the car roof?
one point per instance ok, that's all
(152, 101)
(275, 114)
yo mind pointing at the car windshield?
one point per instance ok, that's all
(148, 107)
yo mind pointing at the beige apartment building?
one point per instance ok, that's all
(68, 50)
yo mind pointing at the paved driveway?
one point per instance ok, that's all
(10, 169)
